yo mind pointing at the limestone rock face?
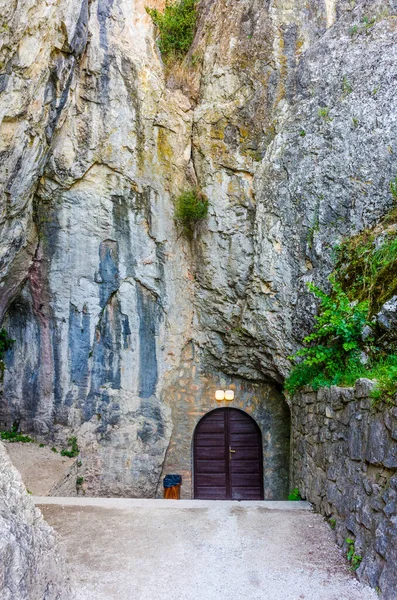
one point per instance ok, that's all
(283, 113)
(31, 565)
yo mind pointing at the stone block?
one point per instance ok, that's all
(364, 388)
(377, 444)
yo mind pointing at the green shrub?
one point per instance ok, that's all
(176, 27)
(352, 557)
(332, 355)
(332, 352)
(74, 449)
(14, 436)
(294, 495)
(191, 207)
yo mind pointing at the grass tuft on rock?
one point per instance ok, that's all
(176, 25)
(191, 208)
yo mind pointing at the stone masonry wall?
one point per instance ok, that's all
(344, 461)
(191, 394)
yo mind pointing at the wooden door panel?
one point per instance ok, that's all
(219, 473)
(213, 479)
(245, 480)
(211, 452)
(245, 493)
(211, 466)
(247, 453)
(211, 493)
(243, 466)
(210, 439)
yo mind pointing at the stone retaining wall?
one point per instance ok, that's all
(344, 461)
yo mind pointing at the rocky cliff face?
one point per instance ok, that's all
(284, 113)
(31, 565)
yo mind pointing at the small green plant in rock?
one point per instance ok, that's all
(332, 523)
(302, 133)
(323, 112)
(346, 87)
(352, 557)
(191, 208)
(74, 449)
(79, 481)
(294, 495)
(355, 122)
(393, 188)
(367, 23)
(176, 27)
(54, 450)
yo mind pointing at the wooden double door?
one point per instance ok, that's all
(228, 459)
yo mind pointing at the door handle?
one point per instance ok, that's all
(231, 451)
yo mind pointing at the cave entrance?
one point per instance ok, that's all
(228, 457)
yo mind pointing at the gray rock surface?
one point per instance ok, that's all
(344, 461)
(286, 119)
(32, 567)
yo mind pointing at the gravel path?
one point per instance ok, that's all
(157, 550)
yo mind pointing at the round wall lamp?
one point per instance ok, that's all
(227, 395)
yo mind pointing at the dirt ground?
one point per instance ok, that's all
(40, 468)
(195, 550)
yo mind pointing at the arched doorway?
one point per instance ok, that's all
(228, 462)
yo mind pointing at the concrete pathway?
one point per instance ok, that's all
(197, 550)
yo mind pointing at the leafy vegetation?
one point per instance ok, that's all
(352, 557)
(346, 342)
(191, 207)
(332, 523)
(176, 27)
(74, 449)
(15, 436)
(334, 351)
(294, 495)
(323, 112)
(366, 266)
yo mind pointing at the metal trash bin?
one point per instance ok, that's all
(172, 487)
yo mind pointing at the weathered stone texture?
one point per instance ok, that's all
(31, 565)
(344, 461)
(98, 287)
